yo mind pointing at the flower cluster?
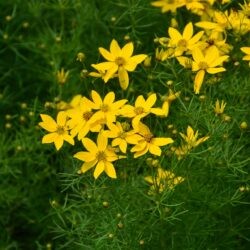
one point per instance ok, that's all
(203, 52)
(83, 116)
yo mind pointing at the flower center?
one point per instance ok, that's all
(122, 135)
(139, 110)
(87, 115)
(100, 156)
(182, 43)
(60, 130)
(120, 61)
(104, 108)
(203, 65)
(148, 137)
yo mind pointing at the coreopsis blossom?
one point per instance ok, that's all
(183, 42)
(207, 62)
(246, 50)
(218, 23)
(121, 137)
(81, 118)
(99, 155)
(167, 5)
(164, 179)
(227, 20)
(106, 109)
(217, 40)
(219, 107)
(192, 138)
(190, 141)
(148, 142)
(59, 130)
(119, 60)
(141, 109)
(62, 76)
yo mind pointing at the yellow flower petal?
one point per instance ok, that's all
(123, 78)
(102, 142)
(188, 31)
(89, 145)
(61, 118)
(110, 72)
(85, 156)
(162, 141)
(96, 98)
(88, 165)
(115, 48)
(110, 170)
(150, 101)
(68, 139)
(99, 169)
(58, 142)
(174, 34)
(109, 98)
(127, 50)
(49, 138)
(215, 70)
(155, 150)
(106, 54)
(48, 123)
(198, 81)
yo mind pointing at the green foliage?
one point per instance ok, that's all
(46, 204)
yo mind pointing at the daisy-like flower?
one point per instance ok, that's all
(246, 50)
(107, 109)
(120, 60)
(59, 131)
(80, 118)
(183, 42)
(121, 137)
(191, 141)
(191, 138)
(148, 142)
(141, 109)
(100, 155)
(219, 107)
(164, 179)
(206, 63)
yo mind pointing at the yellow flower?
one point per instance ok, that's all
(141, 109)
(206, 63)
(219, 107)
(220, 24)
(148, 142)
(216, 39)
(58, 129)
(246, 50)
(119, 60)
(183, 42)
(191, 138)
(62, 76)
(121, 136)
(107, 109)
(81, 120)
(167, 5)
(99, 155)
(164, 179)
